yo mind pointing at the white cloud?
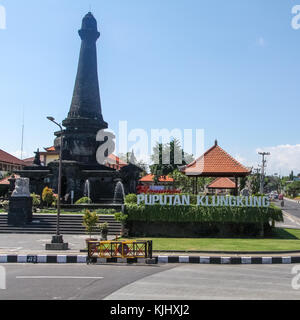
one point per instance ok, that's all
(283, 159)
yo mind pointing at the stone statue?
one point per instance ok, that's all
(21, 188)
(37, 158)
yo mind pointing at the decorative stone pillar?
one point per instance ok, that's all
(20, 204)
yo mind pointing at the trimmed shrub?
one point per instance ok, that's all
(48, 196)
(131, 198)
(83, 200)
(121, 217)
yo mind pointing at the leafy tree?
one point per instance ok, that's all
(293, 189)
(90, 221)
(272, 183)
(167, 158)
(283, 181)
(185, 184)
(292, 175)
(254, 181)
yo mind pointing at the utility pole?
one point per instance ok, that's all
(22, 139)
(262, 175)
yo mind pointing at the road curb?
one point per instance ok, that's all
(228, 260)
(68, 259)
(31, 258)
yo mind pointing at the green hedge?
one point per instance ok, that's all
(193, 213)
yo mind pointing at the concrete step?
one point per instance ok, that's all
(69, 224)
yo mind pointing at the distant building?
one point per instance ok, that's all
(9, 163)
(47, 156)
(115, 162)
(216, 163)
(50, 154)
(163, 183)
(5, 184)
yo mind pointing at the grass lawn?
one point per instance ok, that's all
(283, 240)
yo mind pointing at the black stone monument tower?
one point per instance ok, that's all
(84, 120)
(79, 145)
(85, 116)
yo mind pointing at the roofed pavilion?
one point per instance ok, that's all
(222, 184)
(215, 162)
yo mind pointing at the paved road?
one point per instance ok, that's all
(291, 207)
(178, 282)
(64, 282)
(210, 282)
(291, 211)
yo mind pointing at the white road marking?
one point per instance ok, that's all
(288, 216)
(56, 277)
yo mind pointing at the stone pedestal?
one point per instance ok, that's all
(20, 211)
(57, 243)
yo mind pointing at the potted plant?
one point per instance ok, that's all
(90, 220)
(122, 218)
(103, 227)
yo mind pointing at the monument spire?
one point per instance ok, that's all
(85, 108)
(84, 119)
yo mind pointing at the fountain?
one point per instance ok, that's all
(119, 195)
(87, 189)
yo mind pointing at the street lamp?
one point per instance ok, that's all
(57, 240)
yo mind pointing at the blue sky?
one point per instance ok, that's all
(229, 67)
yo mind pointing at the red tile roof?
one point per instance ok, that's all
(150, 178)
(50, 149)
(115, 162)
(222, 183)
(216, 162)
(8, 158)
(29, 160)
(5, 180)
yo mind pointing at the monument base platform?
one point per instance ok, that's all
(57, 246)
(20, 211)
